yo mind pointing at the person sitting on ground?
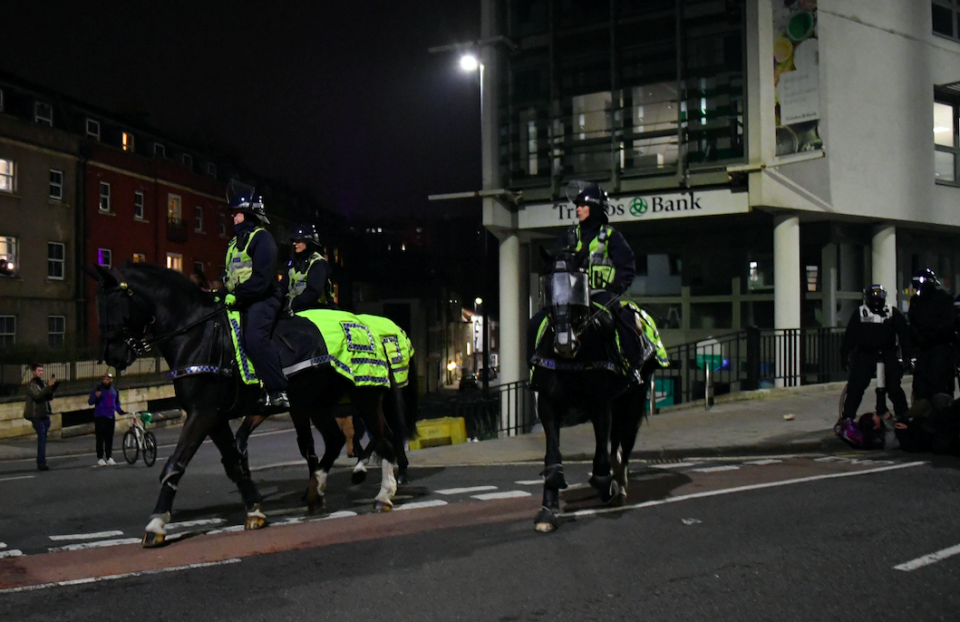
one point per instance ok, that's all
(931, 426)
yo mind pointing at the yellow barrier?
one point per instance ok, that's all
(435, 432)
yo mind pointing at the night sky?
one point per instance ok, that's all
(340, 98)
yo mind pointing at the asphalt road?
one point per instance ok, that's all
(780, 539)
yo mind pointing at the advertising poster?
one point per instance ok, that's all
(796, 77)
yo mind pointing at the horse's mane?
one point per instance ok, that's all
(171, 286)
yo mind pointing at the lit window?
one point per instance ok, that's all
(138, 205)
(813, 273)
(8, 176)
(105, 257)
(946, 148)
(56, 185)
(9, 256)
(188, 160)
(127, 141)
(175, 261)
(56, 257)
(93, 129)
(139, 258)
(104, 196)
(8, 331)
(159, 150)
(56, 330)
(211, 169)
(174, 208)
(198, 219)
(222, 225)
(43, 113)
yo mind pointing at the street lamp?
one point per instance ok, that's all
(469, 62)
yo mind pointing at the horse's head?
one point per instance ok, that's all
(123, 319)
(565, 294)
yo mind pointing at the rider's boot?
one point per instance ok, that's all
(274, 402)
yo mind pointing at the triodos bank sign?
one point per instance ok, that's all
(639, 206)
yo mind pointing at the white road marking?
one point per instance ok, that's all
(3, 545)
(727, 491)
(87, 536)
(229, 529)
(10, 479)
(763, 462)
(529, 482)
(717, 469)
(277, 465)
(507, 494)
(926, 560)
(690, 521)
(675, 465)
(416, 505)
(94, 545)
(828, 459)
(11, 553)
(461, 491)
(114, 577)
(196, 523)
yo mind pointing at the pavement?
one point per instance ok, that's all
(772, 421)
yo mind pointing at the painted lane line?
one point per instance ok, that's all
(114, 577)
(196, 523)
(11, 553)
(675, 465)
(340, 514)
(461, 491)
(3, 545)
(229, 529)
(507, 494)
(87, 536)
(717, 469)
(763, 462)
(727, 491)
(416, 505)
(926, 560)
(529, 482)
(277, 465)
(94, 545)
(10, 479)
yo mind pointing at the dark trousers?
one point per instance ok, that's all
(104, 427)
(863, 367)
(934, 372)
(259, 320)
(41, 426)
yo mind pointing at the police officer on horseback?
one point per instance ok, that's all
(307, 281)
(250, 286)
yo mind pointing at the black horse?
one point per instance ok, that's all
(576, 367)
(143, 304)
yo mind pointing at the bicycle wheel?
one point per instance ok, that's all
(131, 448)
(149, 449)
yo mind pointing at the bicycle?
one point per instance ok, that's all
(137, 440)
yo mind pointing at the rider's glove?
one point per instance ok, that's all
(230, 301)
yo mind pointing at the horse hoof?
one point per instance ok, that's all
(152, 540)
(606, 486)
(380, 507)
(255, 519)
(546, 521)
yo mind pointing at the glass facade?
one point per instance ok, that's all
(619, 89)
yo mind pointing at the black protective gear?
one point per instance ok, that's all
(924, 277)
(244, 198)
(305, 233)
(875, 297)
(590, 194)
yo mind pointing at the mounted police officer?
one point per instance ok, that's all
(252, 287)
(932, 321)
(307, 281)
(871, 337)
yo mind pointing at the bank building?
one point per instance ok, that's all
(765, 159)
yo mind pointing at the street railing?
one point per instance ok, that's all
(77, 367)
(507, 410)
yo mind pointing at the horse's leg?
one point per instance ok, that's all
(601, 479)
(222, 437)
(249, 424)
(369, 402)
(333, 440)
(628, 413)
(551, 415)
(194, 431)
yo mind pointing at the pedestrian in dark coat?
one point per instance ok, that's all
(37, 410)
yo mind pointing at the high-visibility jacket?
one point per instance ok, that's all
(298, 281)
(602, 270)
(239, 262)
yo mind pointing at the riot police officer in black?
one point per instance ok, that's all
(932, 326)
(871, 337)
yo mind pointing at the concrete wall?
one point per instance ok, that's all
(12, 423)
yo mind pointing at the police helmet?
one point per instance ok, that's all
(923, 277)
(305, 233)
(875, 297)
(586, 193)
(244, 198)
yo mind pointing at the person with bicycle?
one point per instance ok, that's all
(105, 400)
(871, 337)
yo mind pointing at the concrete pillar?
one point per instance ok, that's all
(786, 298)
(884, 258)
(829, 283)
(513, 309)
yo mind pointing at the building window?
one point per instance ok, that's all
(93, 129)
(138, 204)
(211, 169)
(56, 330)
(198, 219)
(104, 196)
(198, 268)
(945, 129)
(56, 185)
(8, 331)
(188, 160)
(8, 176)
(944, 13)
(126, 140)
(43, 113)
(159, 150)
(105, 257)
(139, 258)
(222, 225)
(174, 208)
(175, 261)
(9, 257)
(56, 257)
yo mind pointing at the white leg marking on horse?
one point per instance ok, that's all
(361, 467)
(158, 524)
(321, 481)
(388, 483)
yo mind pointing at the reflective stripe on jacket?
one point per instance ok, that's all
(239, 262)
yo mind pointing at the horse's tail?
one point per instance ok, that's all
(411, 401)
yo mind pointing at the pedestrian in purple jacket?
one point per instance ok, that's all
(106, 406)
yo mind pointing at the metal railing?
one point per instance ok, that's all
(70, 368)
